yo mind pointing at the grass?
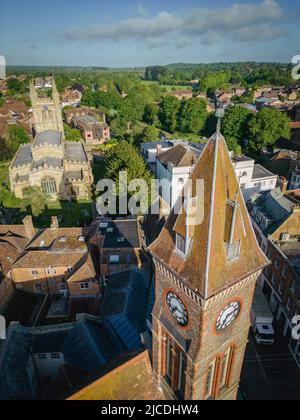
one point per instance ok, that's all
(70, 214)
(168, 88)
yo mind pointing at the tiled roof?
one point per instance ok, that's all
(48, 236)
(179, 156)
(206, 267)
(44, 259)
(131, 381)
(85, 272)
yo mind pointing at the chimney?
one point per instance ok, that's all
(158, 149)
(283, 184)
(54, 223)
(29, 228)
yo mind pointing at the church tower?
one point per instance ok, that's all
(46, 109)
(205, 280)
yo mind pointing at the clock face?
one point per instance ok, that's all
(177, 309)
(227, 317)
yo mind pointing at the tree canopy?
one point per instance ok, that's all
(267, 127)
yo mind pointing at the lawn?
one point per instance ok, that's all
(168, 88)
(70, 214)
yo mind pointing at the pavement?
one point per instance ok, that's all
(270, 372)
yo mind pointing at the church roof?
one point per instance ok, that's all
(74, 152)
(23, 157)
(226, 221)
(49, 138)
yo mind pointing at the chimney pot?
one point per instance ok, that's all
(54, 222)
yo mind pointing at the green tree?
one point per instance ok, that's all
(126, 158)
(266, 127)
(151, 114)
(169, 110)
(72, 134)
(192, 115)
(34, 198)
(151, 133)
(235, 125)
(6, 152)
(16, 136)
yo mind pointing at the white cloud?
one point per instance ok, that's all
(238, 22)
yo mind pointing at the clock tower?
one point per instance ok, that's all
(205, 280)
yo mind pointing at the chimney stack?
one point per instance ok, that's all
(158, 149)
(54, 223)
(29, 228)
(283, 184)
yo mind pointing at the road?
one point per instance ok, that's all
(270, 372)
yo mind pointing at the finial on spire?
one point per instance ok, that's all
(219, 114)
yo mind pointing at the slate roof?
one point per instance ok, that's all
(114, 232)
(276, 206)
(14, 355)
(261, 172)
(125, 305)
(48, 161)
(24, 156)
(74, 152)
(206, 267)
(49, 137)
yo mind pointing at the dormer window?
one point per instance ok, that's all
(234, 251)
(180, 244)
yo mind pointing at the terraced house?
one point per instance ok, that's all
(61, 169)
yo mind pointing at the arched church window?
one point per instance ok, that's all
(49, 186)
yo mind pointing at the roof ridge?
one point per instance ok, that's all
(212, 203)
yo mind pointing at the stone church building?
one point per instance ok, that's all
(61, 169)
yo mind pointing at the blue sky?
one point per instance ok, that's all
(127, 33)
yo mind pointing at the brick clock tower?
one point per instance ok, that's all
(205, 280)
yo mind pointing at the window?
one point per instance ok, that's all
(234, 251)
(225, 369)
(175, 368)
(55, 356)
(84, 286)
(210, 381)
(49, 186)
(243, 186)
(114, 259)
(62, 287)
(180, 244)
(42, 356)
(35, 273)
(69, 270)
(277, 263)
(38, 287)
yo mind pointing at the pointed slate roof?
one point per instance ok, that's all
(207, 268)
